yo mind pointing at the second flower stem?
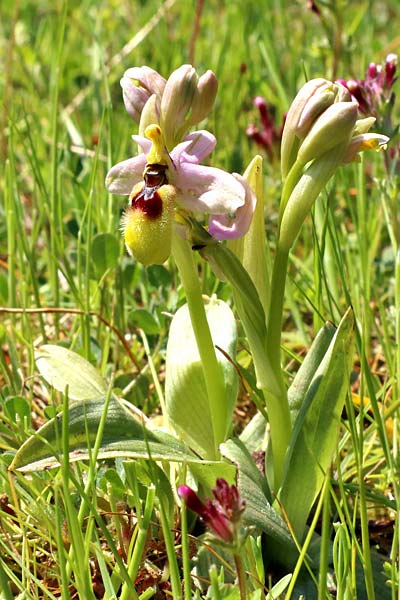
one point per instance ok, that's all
(277, 405)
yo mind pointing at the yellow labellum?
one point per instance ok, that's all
(147, 224)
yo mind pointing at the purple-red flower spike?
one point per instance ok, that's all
(268, 137)
(191, 499)
(220, 515)
(376, 89)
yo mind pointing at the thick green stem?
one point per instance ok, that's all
(269, 375)
(274, 327)
(277, 404)
(289, 185)
(213, 375)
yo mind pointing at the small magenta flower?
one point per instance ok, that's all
(222, 515)
(375, 91)
(161, 183)
(269, 136)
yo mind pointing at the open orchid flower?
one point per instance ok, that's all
(188, 187)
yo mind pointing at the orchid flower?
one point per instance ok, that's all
(162, 183)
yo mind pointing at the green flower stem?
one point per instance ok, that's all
(274, 327)
(185, 553)
(241, 575)
(252, 316)
(213, 375)
(290, 182)
(277, 403)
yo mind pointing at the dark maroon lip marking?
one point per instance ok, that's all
(155, 175)
(149, 201)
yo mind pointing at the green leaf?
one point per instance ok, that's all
(113, 480)
(207, 473)
(306, 372)
(253, 435)
(159, 276)
(3, 290)
(316, 428)
(61, 367)
(124, 436)
(143, 319)
(185, 390)
(278, 589)
(17, 408)
(104, 252)
(249, 308)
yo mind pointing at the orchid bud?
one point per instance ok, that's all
(313, 98)
(204, 98)
(343, 94)
(138, 84)
(150, 114)
(363, 125)
(147, 223)
(332, 128)
(176, 101)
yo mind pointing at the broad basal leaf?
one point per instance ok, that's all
(303, 378)
(124, 436)
(187, 402)
(316, 428)
(63, 368)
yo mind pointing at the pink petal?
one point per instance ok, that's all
(198, 145)
(124, 175)
(223, 227)
(143, 142)
(207, 189)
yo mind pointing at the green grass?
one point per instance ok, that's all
(87, 529)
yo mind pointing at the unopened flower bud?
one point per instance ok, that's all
(204, 98)
(332, 128)
(138, 84)
(390, 69)
(150, 114)
(343, 94)
(372, 71)
(363, 125)
(176, 101)
(314, 97)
